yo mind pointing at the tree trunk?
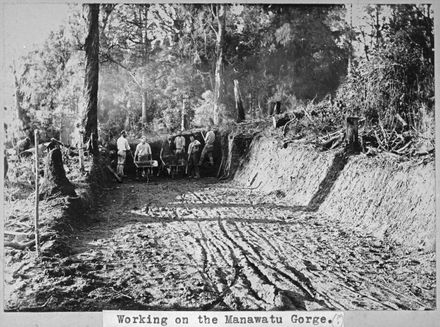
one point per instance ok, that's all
(143, 13)
(144, 110)
(22, 115)
(238, 103)
(90, 119)
(182, 122)
(277, 108)
(218, 88)
(55, 180)
(350, 40)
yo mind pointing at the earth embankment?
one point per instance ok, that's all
(384, 195)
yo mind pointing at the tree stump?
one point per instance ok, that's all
(352, 134)
(55, 180)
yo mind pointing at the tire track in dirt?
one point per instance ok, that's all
(266, 289)
(270, 263)
(198, 245)
(308, 245)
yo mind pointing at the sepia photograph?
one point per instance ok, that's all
(218, 157)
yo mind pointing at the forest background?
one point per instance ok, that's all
(372, 61)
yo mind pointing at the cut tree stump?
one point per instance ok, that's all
(352, 138)
(55, 180)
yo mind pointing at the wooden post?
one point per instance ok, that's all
(352, 133)
(37, 236)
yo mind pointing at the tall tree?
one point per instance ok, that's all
(91, 46)
(126, 43)
(21, 113)
(219, 13)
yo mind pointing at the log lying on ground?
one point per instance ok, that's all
(55, 180)
(19, 246)
(283, 119)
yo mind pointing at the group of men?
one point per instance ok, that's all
(172, 152)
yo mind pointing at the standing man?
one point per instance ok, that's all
(193, 157)
(123, 147)
(142, 154)
(180, 146)
(209, 139)
(167, 153)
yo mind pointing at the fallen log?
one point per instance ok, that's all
(401, 120)
(385, 136)
(328, 142)
(404, 147)
(19, 246)
(334, 141)
(338, 141)
(328, 137)
(285, 118)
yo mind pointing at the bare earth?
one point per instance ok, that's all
(187, 244)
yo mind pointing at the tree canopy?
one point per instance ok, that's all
(155, 59)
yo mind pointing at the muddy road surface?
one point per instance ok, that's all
(187, 244)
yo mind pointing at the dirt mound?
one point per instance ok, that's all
(381, 195)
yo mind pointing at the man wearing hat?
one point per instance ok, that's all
(167, 153)
(123, 147)
(142, 154)
(179, 142)
(208, 149)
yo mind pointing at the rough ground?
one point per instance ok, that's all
(204, 245)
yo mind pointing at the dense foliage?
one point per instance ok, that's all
(397, 75)
(156, 59)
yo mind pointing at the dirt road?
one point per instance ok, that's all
(204, 245)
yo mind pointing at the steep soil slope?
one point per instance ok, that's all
(295, 172)
(390, 198)
(380, 195)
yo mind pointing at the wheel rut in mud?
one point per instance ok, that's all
(202, 245)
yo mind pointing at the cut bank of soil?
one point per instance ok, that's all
(203, 245)
(392, 198)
